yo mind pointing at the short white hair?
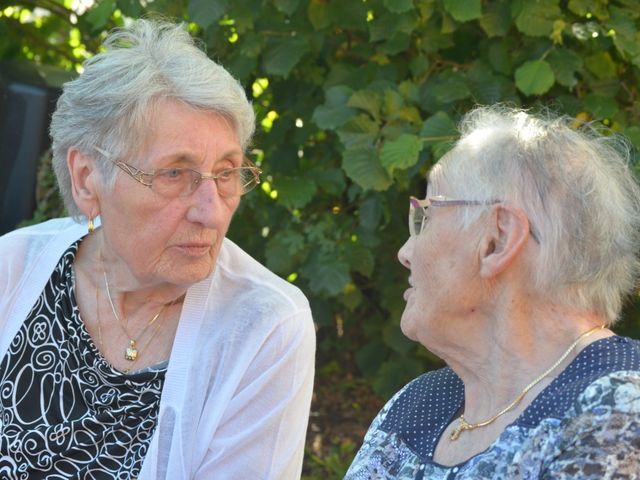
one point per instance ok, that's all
(575, 185)
(109, 103)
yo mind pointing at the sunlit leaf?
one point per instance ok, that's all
(496, 19)
(398, 6)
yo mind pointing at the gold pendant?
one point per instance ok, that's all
(131, 352)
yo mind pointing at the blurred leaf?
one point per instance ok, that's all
(439, 131)
(394, 338)
(287, 6)
(601, 65)
(535, 77)
(295, 192)
(600, 107)
(335, 111)
(206, 12)
(99, 15)
(319, 14)
(535, 18)
(398, 6)
(130, 8)
(464, 10)
(327, 274)
(360, 258)
(496, 19)
(282, 54)
(366, 100)
(360, 131)
(633, 134)
(565, 64)
(400, 153)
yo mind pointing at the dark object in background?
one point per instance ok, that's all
(28, 94)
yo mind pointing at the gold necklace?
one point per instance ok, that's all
(464, 425)
(132, 351)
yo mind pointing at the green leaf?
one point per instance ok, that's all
(633, 134)
(450, 86)
(394, 338)
(389, 24)
(360, 131)
(534, 77)
(601, 65)
(206, 12)
(99, 15)
(496, 19)
(130, 8)
(600, 107)
(398, 6)
(464, 10)
(366, 100)
(360, 259)
(598, 8)
(282, 54)
(294, 192)
(287, 7)
(281, 250)
(565, 64)
(487, 87)
(402, 153)
(440, 132)
(535, 18)
(319, 14)
(331, 180)
(335, 111)
(327, 274)
(363, 167)
(370, 212)
(500, 58)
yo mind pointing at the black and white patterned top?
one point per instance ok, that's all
(64, 411)
(584, 425)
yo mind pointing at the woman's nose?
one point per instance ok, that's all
(405, 252)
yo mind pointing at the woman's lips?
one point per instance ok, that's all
(194, 249)
(407, 293)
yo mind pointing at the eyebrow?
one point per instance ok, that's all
(188, 159)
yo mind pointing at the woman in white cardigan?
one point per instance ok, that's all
(146, 345)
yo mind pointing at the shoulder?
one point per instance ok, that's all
(237, 269)
(27, 246)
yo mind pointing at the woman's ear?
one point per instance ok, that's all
(506, 236)
(84, 182)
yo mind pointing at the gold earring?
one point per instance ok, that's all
(91, 226)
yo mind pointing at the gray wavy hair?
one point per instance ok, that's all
(108, 105)
(577, 189)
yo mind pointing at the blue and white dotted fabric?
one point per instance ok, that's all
(585, 424)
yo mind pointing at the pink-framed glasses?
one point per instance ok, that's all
(418, 211)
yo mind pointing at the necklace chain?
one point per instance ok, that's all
(132, 351)
(464, 425)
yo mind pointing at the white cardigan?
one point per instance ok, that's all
(237, 392)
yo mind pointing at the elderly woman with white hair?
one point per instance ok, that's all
(520, 257)
(150, 346)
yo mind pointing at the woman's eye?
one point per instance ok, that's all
(170, 174)
(226, 174)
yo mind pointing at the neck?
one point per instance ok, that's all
(128, 292)
(512, 349)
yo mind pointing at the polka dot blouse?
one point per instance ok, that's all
(585, 424)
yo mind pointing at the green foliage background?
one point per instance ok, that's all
(355, 100)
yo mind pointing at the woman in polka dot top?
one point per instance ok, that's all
(520, 257)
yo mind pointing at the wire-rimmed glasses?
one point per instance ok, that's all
(418, 211)
(182, 182)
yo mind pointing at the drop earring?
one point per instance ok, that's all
(91, 226)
